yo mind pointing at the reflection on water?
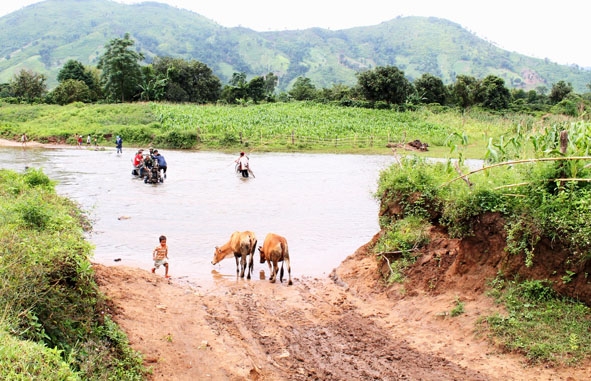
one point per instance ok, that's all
(322, 204)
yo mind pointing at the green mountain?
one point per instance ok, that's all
(43, 36)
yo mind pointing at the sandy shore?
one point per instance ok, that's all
(12, 143)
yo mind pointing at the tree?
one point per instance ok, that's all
(5, 90)
(338, 92)
(153, 87)
(75, 70)
(186, 81)
(431, 89)
(385, 83)
(463, 91)
(559, 91)
(121, 73)
(256, 89)
(271, 81)
(303, 89)
(69, 91)
(28, 85)
(236, 89)
(493, 94)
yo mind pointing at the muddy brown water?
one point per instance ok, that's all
(322, 203)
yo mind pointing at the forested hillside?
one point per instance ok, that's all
(44, 36)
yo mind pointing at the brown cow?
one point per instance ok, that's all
(275, 250)
(241, 245)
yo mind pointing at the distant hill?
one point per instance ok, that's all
(43, 36)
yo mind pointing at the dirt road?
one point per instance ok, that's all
(343, 328)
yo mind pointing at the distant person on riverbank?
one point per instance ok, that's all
(119, 144)
(24, 140)
(88, 140)
(79, 140)
(160, 256)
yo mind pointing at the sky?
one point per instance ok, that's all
(556, 30)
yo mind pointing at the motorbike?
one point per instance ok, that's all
(149, 175)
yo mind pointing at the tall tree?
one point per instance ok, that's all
(153, 86)
(121, 73)
(69, 91)
(28, 85)
(271, 81)
(256, 89)
(186, 81)
(303, 89)
(75, 70)
(559, 91)
(385, 83)
(237, 88)
(493, 94)
(431, 89)
(463, 91)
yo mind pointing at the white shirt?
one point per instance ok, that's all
(243, 162)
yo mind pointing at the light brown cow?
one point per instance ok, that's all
(241, 245)
(275, 250)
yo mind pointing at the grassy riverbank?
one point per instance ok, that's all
(277, 127)
(54, 324)
(518, 228)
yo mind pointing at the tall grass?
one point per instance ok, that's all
(52, 312)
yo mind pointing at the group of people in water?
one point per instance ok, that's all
(150, 167)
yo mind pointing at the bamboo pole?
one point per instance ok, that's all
(516, 162)
(548, 180)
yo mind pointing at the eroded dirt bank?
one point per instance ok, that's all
(344, 328)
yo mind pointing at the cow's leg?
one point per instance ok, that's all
(286, 263)
(250, 266)
(275, 268)
(237, 265)
(242, 265)
(270, 269)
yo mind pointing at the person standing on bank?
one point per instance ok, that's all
(242, 162)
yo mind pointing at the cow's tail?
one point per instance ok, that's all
(287, 263)
(253, 248)
(284, 255)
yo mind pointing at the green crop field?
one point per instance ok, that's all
(295, 126)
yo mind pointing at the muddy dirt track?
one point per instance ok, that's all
(343, 328)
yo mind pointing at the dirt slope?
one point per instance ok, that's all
(344, 328)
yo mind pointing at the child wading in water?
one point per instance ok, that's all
(160, 256)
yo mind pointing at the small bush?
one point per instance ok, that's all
(399, 241)
(34, 214)
(35, 177)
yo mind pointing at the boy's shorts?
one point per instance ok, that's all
(160, 262)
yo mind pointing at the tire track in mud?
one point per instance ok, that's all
(303, 333)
